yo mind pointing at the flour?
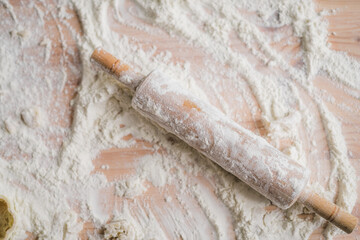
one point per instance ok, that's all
(130, 187)
(121, 230)
(229, 59)
(33, 117)
(46, 42)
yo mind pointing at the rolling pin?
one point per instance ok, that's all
(237, 150)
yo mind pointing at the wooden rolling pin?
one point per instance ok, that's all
(237, 150)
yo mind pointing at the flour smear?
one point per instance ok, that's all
(262, 63)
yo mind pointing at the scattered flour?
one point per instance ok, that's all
(121, 230)
(33, 117)
(130, 187)
(233, 58)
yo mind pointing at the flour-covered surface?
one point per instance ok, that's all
(78, 161)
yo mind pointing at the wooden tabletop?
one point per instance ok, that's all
(346, 25)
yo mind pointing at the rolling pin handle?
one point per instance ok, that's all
(121, 71)
(329, 211)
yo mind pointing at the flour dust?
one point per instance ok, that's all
(259, 62)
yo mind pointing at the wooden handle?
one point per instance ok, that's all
(121, 71)
(328, 210)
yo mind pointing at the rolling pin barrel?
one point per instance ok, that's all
(237, 150)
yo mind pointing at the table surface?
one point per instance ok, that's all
(346, 24)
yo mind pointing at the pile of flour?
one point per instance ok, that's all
(236, 56)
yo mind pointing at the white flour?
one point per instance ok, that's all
(230, 58)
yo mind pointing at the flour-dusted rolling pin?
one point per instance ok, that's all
(237, 150)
